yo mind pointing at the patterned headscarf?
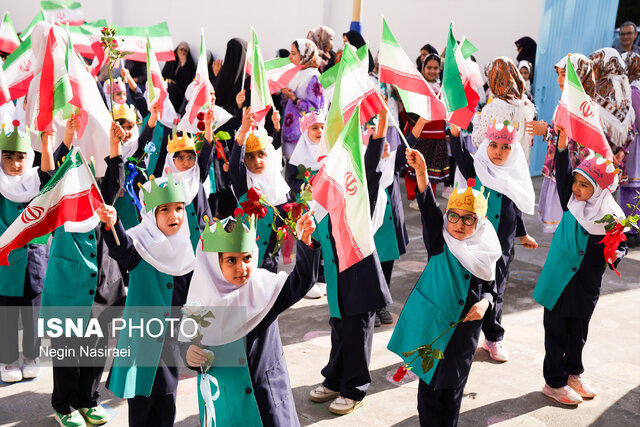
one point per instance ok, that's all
(504, 79)
(632, 61)
(322, 37)
(308, 53)
(584, 70)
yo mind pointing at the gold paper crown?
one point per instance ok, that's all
(257, 140)
(124, 111)
(469, 199)
(180, 143)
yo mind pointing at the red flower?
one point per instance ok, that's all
(400, 373)
(254, 208)
(612, 240)
(200, 116)
(254, 194)
(114, 43)
(238, 212)
(295, 209)
(200, 125)
(307, 174)
(104, 30)
(282, 232)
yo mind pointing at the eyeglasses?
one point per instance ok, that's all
(628, 33)
(453, 218)
(186, 158)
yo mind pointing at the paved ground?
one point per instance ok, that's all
(496, 394)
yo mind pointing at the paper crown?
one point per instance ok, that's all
(124, 111)
(14, 141)
(181, 143)
(118, 86)
(468, 199)
(257, 140)
(600, 171)
(504, 132)
(241, 239)
(310, 119)
(156, 192)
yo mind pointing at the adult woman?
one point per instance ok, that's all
(179, 73)
(323, 38)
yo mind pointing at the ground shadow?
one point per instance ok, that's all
(624, 412)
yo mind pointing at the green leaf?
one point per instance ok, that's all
(209, 315)
(408, 353)
(205, 323)
(438, 354)
(427, 364)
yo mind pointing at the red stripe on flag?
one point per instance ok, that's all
(463, 116)
(583, 132)
(260, 115)
(371, 104)
(161, 56)
(158, 82)
(200, 98)
(283, 81)
(8, 46)
(83, 116)
(21, 87)
(45, 97)
(406, 81)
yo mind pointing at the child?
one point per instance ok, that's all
(255, 163)
(525, 71)
(457, 284)
(305, 153)
(569, 285)
(21, 280)
(500, 166)
(249, 365)
(159, 257)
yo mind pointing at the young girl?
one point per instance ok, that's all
(569, 285)
(159, 257)
(500, 166)
(305, 154)
(249, 368)
(457, 284)
(525, 71)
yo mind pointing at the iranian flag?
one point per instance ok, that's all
(201, 85)
(86, 39)
(78, 100)
(261, 100)
(397, 69)
(62, 11)
(579, 116)
(4, 89)
(461, 70)
(329, 77)
(156, 85)
(340, 186)
(279, 72)
(27, 31)
(71, 196)
(134, 40)
(18, 69)
(9, 40)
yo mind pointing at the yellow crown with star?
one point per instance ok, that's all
(257, 140)
(124, 111)
(181, 143)
(469, 199)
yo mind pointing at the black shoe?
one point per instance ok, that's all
(632, 240)
(376, 322)
(384, 316)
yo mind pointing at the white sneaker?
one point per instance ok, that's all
(30, 368)
(322, 286)
(414, 205)
(496, 350)
(314, 293)
(10, 372)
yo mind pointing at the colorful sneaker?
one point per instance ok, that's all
(322, 394)
(96, 415)
(344, 405)
(496, 350)
(581, 387)
(30, 368)
(10, 372)
(565, 395)
(73, 419)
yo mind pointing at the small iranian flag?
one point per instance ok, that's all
(201, 85)
(9, 40)
(74, 71)
(397, 69)
(18, 69)
(27, 31)
(329, 77)
(156, 85)
(280, 71)
(62, 11)
(261, 100)
(340, 186)
(452, 88)
(134, 40)
(579, 115)
(4, 89)
(71, 196)
(469, 76)
(85, 39)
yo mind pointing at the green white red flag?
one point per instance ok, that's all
(579, 115)
(62, 11)
(27, 31)
(134, 40)
(329, 77)
(340, 186)
(18, 70)
(78, 100)
(261, 100)
(71, 196)
(280, 71)
(5, 96)
(9, 40)
(201, 85)
(156, 86)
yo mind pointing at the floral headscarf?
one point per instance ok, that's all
(504, 79)
(632, 61)
(584, 70)
(308, 53)
(322, 37)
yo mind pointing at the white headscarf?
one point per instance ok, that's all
(190, 177)
(171, 255)
(130, 147)
(221, 116)
(24, 187)
(511, 179)
(599, 204)
(270, 182)
(306, 153)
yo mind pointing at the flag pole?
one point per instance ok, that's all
(246, 59)
(110, 224)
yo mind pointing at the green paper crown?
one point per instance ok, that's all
(14, 141)
(241, 239)
(168, 192)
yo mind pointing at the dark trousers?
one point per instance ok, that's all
(438, 407)
(492, 321)
(152, 411)
(348, 367)
(387, 270)
(11, 309)
(564, 339)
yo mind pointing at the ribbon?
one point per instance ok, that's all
(220, 151)
(207, 398)
(612, 240)
(287, 247)
(129, 187)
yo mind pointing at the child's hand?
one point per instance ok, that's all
(477, 310)
(247, 125)
(155, 112)
(240, 98)
(387, 150)
(305, 228)
(107, 214)
(195, 356)
(288, 93)
(536, 127)
(72, 124)
(454, 130)
(275, 118)
(416, 161)
(125, 74)
(117, 133)
(209, 116)
(528, 242)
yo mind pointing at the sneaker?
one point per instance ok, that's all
(376, 320)
(10, 372)
(30, 368)
(96, 415)
(322, 286)
(565, 395)
(496, 350)
(414, 205)
(314, 293)
(344, 405)
(73, 419)
(322, 394)
(581, 387)
(385, 316)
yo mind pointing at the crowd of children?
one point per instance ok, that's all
(170, 235)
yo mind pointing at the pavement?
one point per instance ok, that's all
(500, 394)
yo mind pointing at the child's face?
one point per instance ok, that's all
(169, 217)
(13, 162)
(498, 152)
(256, 161)
(431, 70)
(236, 267)
(120, 97)
(184, 160)
(561, 74)
(524, 71)
(461, 224)
(582, 188)
(294, 56)
(315, 132)
(127, 126)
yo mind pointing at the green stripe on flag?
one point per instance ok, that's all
(60, 4)
(258, 71)
(387, 35)
(150, 87)
(159, 30)
(329, 77)
(27, 31)
(452, 87)
(467, 49)
(572, 77)
(351, 137)
(272, 64)
(24, 47)
(71, 161)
